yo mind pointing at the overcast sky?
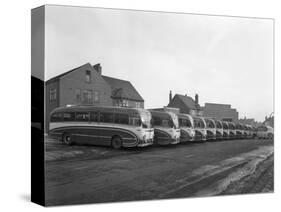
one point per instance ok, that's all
(223, 59)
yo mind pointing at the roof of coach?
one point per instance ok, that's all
(161, 114)
(183, 115)
(87, 108)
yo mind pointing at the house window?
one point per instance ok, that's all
(96, 96)
(53, 94)
(125, 103)
(88, 76)
(78, 95)
(87, 97)
(118, 103)
(121, 103)
(138, 104)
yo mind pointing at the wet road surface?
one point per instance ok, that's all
(88, 174)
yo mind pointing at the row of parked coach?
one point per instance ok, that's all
(128, 127)
(191, 128)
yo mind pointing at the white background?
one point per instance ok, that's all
(15, 104)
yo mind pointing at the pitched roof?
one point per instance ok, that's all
(123, 89)
(120, 88)
(65, 73)
(188, 101)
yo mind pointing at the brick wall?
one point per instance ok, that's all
(76, 80)
(220, 111)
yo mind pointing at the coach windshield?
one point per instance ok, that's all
(231, 126)
(218, 125)
(185, 122)
(210, 123)
(225, 125)
(175, 120)
(145, 118)
(199, 123)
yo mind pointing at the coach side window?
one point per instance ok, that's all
(94, 116)
(56, 117)
(106, 117)
(82, 116)
(69, 116)
(121, 118)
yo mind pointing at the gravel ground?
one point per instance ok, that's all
(89, 174)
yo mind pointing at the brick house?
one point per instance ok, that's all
(220, 111)
(123, 93)
(86, 85)
(185, 104)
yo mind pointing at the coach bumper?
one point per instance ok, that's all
(146, 142)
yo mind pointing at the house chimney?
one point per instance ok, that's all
(170, 97)
(98, 68)
(196, 99)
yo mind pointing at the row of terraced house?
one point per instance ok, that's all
(86, 85)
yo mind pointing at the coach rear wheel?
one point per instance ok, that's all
(66, 138)
(116, 142)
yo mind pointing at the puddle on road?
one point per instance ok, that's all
(249, 161)
(237, 175)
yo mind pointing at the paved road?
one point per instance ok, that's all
(84, 174)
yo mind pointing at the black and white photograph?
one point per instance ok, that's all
(131, 105)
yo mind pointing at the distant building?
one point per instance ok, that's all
(86, 85)
(185, 104)
(250, 121)
(220, 111)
